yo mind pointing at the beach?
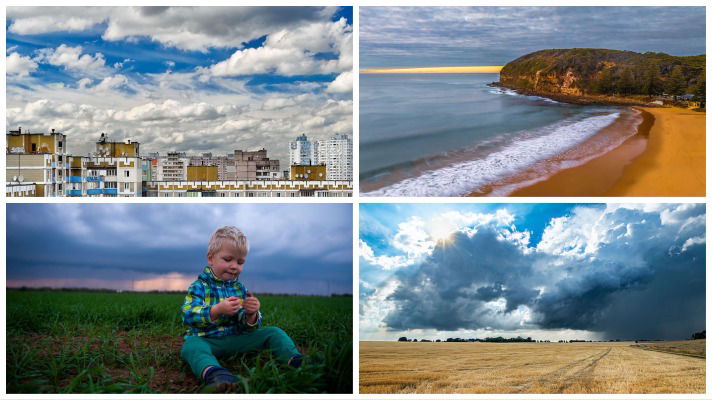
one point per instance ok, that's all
(674, 162)
(666, 157)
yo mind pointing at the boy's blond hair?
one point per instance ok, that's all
(229, 233)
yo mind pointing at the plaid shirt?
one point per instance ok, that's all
(206, 292)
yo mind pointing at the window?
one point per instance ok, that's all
(127, 173)
(126, 187)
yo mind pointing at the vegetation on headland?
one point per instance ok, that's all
(602, 72)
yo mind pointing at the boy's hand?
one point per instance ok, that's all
(228, 306)
(251, 305)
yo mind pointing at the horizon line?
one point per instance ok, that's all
(489, 69)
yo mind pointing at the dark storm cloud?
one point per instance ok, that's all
(644, 277)
(497, 35)
(134, 241)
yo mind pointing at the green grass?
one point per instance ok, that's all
(97, 342)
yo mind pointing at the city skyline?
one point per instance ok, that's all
(187, 79)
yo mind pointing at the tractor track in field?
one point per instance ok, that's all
(568, 374)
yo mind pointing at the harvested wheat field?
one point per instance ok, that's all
(614, 367)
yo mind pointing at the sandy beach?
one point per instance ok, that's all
(665, 158)
(674, 162)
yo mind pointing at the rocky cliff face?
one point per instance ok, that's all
(579, 72)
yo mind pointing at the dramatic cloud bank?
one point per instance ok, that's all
(618, 272)
(150, 246)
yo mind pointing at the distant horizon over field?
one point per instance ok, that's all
(155, 291)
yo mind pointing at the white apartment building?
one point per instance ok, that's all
(113, 176)
(337, 154)
(301, 151)
(174, 167)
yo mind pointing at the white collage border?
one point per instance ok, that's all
(356, 200)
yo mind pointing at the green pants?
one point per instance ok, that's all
(201, 352)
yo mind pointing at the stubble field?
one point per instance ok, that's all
(588, 368)
(98, 342)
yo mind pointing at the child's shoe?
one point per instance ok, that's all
(295, 361)
(218, 380)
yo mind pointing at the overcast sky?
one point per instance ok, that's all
(181, 78)
(556, 271)
(294, 248)
(444, 36)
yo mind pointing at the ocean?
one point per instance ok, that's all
(453, 135)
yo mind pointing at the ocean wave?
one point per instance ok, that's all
(463, 178)
(510, 92)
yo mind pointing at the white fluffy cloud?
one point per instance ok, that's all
(200, 122)
(38, 20)
(186, 28)
(19, 66)
(291, 52)
(175, 110)
(344, 83)
(74, 60)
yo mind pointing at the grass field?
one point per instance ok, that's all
(589, 368)
(93, 342)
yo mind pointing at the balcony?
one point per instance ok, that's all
(94, 192)
(74, 193)
(95, 178)
(74, 179)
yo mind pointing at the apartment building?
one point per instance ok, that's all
(336, 153)
(255, 166)
(36, 163)
(301, 151)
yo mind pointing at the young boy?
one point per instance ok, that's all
(223, 318)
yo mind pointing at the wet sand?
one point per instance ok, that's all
(435, 70)
(666, 157)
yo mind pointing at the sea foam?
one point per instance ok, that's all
(463, 178)
(510, 92)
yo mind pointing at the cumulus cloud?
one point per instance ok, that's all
(624, 272)
(19, 66)
(205, 121)
(186, 28)
(344, 83)
(38, 20)
(104, 91)
(73, 59)
(292, 52)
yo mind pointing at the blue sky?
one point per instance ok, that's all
(192, 79)
(548, 271)
(444, 36)
(294, 248)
